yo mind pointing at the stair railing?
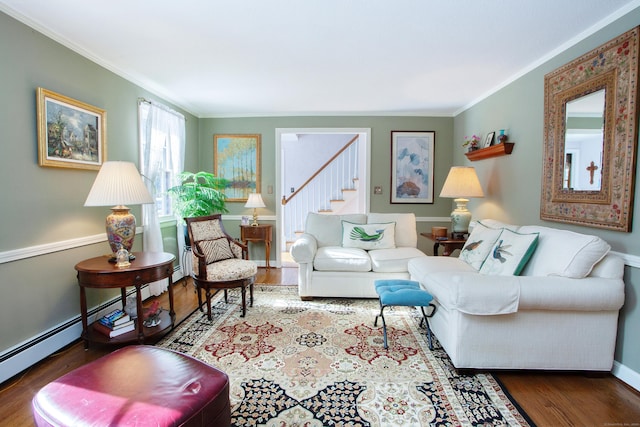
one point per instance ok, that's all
(317, 192)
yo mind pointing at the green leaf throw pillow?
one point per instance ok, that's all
(368, 236)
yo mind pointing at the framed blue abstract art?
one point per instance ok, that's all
(412, 166)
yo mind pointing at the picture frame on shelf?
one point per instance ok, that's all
(236, 158)
(71, 133)
(412, 161)
(488, 140)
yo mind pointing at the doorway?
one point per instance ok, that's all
(321, 142)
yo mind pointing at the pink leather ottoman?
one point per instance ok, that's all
(137, 386)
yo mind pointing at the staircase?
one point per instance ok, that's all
(332, 189)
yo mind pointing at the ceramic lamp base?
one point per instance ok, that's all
(121, 229)
(460, 217)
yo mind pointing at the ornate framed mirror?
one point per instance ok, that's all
(590, 137)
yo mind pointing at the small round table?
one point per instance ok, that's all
(99, 273)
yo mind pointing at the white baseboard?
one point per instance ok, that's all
(37, 348)
(626, 375)
(34, 353)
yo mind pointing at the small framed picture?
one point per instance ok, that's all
(488, 140)
(245, 220)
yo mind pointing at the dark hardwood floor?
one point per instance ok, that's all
(549, 398)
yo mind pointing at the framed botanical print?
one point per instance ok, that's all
(71, 134)
(236, 158)
(412, 166)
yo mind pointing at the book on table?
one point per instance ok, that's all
(111, 333)
(115, 319)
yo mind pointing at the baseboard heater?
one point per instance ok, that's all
(26, 354)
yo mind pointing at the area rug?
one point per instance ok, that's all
(323, 363)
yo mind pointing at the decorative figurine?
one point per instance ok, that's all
(152, 315)
(122, 258)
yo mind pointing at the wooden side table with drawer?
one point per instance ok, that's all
(258, 233)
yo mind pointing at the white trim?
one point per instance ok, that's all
(49, 248)
(627, 375)
(629, 260)
(35, 353)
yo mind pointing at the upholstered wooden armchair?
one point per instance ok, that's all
(219, 261)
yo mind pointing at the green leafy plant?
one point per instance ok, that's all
(198, 194)
(471, 141)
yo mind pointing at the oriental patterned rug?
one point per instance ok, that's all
(322, 363)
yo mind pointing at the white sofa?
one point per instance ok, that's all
(329, 265)
(561, 313)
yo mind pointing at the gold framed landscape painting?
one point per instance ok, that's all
(236, 158)
(71, 134)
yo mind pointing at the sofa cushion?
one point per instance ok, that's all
(406, 229)
(564, 253)
(393, 260)
(422, 267)
(327, 229)
(479, 244)
(368, 236)
(509, 253)
(337, 258)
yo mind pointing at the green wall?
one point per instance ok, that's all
(45, 228)
(513, 183)
(381, 128)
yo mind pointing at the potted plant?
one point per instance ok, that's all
(472, 142)
(198, 194)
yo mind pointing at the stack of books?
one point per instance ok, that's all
(115, 323)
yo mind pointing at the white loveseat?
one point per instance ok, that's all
(330, 266)
(561, 313)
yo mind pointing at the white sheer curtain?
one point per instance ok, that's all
(162, 140)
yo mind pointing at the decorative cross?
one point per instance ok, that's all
(591, 168)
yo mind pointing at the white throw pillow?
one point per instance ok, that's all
(510, 253)
(368, 236)
(564, 253)
(479, 244)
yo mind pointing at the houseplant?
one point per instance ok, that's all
(472, 142)
(198, 194)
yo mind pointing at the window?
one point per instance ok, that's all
(162, 140)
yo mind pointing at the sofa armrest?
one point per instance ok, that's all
(479, 294)
(304, 249)
(474, 293)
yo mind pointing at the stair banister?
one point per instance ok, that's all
(286, 200)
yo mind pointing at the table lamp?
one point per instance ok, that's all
(119, 184)
(461, 184)
(255, 201)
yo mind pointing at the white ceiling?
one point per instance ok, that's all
(217, 58)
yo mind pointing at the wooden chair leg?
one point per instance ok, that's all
(243, 290)
(251, 295)
(226, 301)
(208, 303)
(198, 290)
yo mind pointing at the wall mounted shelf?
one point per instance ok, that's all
(501, 149)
